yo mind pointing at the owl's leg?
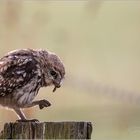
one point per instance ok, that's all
(40, 103)
(22, 117)
(20, 114)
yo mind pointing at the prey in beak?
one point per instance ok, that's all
(55, 87)
(57, 80)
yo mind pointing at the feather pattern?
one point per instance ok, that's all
(16, 71)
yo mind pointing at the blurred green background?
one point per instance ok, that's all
(99, 43)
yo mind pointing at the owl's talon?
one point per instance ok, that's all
(44, 103)
(32, 120)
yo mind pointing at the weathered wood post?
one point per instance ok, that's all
(47, 130)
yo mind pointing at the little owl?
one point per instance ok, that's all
(23, 73)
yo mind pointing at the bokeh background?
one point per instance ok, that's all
(99, 43)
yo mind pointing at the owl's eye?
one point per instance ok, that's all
(53, 74)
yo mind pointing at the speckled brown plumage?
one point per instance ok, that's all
(23, 73)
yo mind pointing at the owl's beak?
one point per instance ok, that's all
(57, 83)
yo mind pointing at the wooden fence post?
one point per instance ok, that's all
(47, 130)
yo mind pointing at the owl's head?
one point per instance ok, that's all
(54, 70)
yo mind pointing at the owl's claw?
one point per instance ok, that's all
(32, 120)
(44, 103)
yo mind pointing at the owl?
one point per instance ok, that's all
(22, 73)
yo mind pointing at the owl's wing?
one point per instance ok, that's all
(15, 71)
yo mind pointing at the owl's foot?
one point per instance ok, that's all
(32, 120)
(44, 103)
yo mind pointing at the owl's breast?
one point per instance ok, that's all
(27, 93)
